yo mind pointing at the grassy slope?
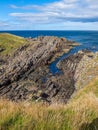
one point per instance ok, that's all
(92, 87)
(10, 42)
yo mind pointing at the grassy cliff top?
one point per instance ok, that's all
(9, 42)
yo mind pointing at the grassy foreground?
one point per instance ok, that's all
(81, 113)
(9, 42)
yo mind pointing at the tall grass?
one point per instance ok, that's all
(81, 113)
(36, 116)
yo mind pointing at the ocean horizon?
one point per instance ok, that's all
(87, 39)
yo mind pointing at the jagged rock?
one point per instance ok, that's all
(25, 75)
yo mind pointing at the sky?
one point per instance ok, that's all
(48, 14)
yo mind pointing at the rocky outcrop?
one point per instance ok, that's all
(86, 70)
(26, 61)
(77, 71)
(25, 75)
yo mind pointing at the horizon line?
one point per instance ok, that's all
(47, 30)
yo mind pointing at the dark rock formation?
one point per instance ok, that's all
(25, 75)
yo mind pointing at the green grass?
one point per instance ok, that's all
(9, 42)
(91, 87)
(37, 116)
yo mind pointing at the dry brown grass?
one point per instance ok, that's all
(32, 116)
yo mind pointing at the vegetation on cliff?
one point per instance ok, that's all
(9, 42)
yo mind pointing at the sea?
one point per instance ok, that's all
(87, 39)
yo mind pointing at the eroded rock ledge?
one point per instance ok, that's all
(25, 75)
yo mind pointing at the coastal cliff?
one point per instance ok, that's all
(25, 74)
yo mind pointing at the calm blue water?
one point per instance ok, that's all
(87, 39)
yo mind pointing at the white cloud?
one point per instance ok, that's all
(58, 12)
(14, 6)
(3, 23)
(59, 4)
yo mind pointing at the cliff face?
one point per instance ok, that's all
(25, 75)
(80, 68)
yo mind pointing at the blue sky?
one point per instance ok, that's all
(48, 14)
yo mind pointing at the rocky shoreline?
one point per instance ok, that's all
(25, 75)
